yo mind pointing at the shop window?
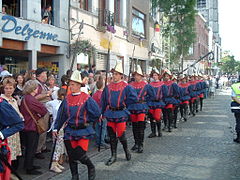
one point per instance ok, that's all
(11, 7)
(47, 11)
(138, 23)
(201, 3)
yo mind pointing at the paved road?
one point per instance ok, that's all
(201, 149)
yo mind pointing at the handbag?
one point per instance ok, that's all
(41, 123)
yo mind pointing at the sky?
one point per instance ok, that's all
(229, 26)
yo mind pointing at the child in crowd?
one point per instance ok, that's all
(53, 107)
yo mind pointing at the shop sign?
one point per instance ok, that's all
(11, 25)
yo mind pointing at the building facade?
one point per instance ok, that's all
(131, 33)
(200, 46)
(209, 10)
(30, 39)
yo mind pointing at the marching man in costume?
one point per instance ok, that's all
(184, 97)
(193, 94)
(10, 123)
(203, 86)
(138, 110)
(157, 104)
(116, 97)
(173, 93)
(75, 113)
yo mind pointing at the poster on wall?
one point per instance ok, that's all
(52, 67)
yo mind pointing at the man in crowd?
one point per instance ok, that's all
(43, 95)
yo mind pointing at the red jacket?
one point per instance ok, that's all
(37, 109)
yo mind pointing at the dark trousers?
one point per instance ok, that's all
(237, 117)
(31, 142)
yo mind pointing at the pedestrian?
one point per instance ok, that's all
(32, 110)
(18, 94)
(157, 104)
(53, 87)
(10, 123)
(116, 97)
(4, 73)
(44, 94)
(53, 107)
(100, 126)
(77, 111)
(170, 100)
(235, 107)
(139, 110)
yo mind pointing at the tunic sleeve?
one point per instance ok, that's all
(92, 110)
(61, 115)
(104, 101)
(131, 96)
(151, 94)
(10, 120)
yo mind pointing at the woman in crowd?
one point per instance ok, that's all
(53, 87)
(19, 88)
(31, 136)
(14, 140)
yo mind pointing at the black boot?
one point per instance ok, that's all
(164, 112)
(113, 144)
(159, 128)
(181, 109)
(91, 169)
(123, 140)
(141, 136)
(185, 109)
(135, 135)
(201, 104)
(170, 116)
(74, 170)
(237, 140)
(153, 128)
(192, 108)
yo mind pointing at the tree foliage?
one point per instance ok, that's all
(180, 26)
(229, 65)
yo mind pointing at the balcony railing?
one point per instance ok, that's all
(106, 19)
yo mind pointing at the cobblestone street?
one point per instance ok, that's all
(201, 148)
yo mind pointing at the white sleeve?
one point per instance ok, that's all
(1, 135)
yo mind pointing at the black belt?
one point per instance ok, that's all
(117, 108)
(79, 126)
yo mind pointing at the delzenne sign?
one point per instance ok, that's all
(26, 31)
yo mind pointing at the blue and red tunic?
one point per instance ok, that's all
(173, 94)
(184, 91)
(77, 111)
(161, 92)
(192, 89)
(116, 98)
(145, 94)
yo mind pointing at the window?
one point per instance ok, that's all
(47, 11)
(101, 61)
(84, 4)
(201, 3)
(11, 7)
(138, 23)
(117, 11)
